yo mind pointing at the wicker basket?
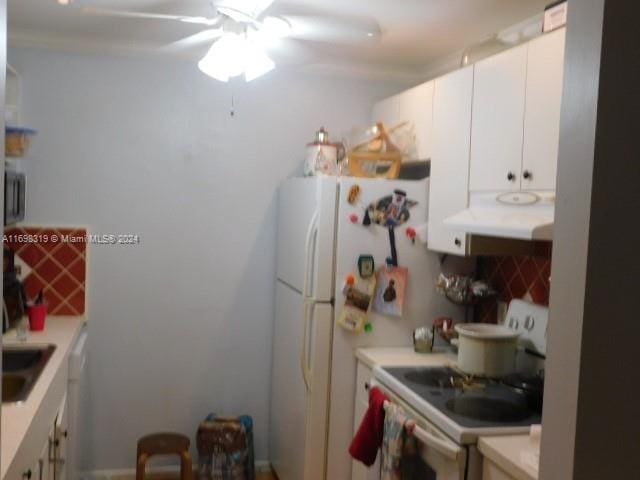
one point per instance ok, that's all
(376, 158)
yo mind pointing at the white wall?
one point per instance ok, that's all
(181, 324)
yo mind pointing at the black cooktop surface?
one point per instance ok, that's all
(469, 401)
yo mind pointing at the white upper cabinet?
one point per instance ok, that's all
(414, 106)
(498, 119)
(545, 69)
(449, 185)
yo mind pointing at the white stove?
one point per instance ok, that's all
(463, 408)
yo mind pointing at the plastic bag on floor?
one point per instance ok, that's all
(225, 448)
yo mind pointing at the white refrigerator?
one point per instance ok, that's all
(320, 237)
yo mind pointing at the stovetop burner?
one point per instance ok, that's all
(489, 409)
(469, 401)
(440, 378)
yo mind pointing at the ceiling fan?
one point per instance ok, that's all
(239, 31)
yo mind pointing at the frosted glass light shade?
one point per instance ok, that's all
(233, 55)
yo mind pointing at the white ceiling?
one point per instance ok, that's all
(415, 32)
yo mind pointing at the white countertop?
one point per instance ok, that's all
(404, 357)
(507, 453)
(17, 418)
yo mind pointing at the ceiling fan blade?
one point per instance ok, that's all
(195, 40)
(242, 10)
(105, 12)
(333, 28)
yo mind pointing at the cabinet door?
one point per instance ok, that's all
(449, 184)
(387, 111)
(498, 118)
(416, 107)
(545, 69)
(490, 471)
(60, 441)
(41, 469)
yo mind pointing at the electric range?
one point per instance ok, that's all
(463, 407)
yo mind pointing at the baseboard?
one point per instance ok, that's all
(130, 473)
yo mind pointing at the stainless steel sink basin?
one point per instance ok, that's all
(21, 367)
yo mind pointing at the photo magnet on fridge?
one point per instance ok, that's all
(390, 291)
(358, 299)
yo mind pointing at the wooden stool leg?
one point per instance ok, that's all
(140, 466)
(185, 466)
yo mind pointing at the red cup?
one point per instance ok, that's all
(37, 315)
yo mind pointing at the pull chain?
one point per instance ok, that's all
(233, 108)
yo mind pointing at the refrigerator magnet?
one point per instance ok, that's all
(392, 211)
(354, 194)
(390, 293)
(357, 305)
(366, 266)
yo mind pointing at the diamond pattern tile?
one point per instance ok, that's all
(57, 266)
(515, 277)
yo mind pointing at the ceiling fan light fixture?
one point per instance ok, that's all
(258, 63)
(276, 26)
(234, 55)
(242, 10)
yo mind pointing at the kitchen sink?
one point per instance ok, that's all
(21, 367)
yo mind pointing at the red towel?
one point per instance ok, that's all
(364, 446)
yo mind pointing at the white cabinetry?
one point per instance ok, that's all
(363, 380)
(498, 118)
(414, 106)
(59, 442)
(50, 464)
(545, 67)
(517, 97)
(75, 404)
(490, 471)
(449, 184)
(41, 468)
(46, 448)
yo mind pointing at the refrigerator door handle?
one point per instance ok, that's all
(309, 253)
(307, 307)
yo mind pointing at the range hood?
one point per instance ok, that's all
(517, 215)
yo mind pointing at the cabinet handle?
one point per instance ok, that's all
(511, 177)
(527, 175)
(457, 242)
(367, 386)
(27, 474)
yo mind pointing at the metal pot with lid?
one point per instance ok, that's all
(486, 350)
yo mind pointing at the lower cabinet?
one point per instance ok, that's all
(51, 462)
(41, 468)
(363, 379)
(50, 465)
(59, 442)
(490, 471)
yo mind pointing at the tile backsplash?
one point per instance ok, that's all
(517, 276)
(53, 259)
